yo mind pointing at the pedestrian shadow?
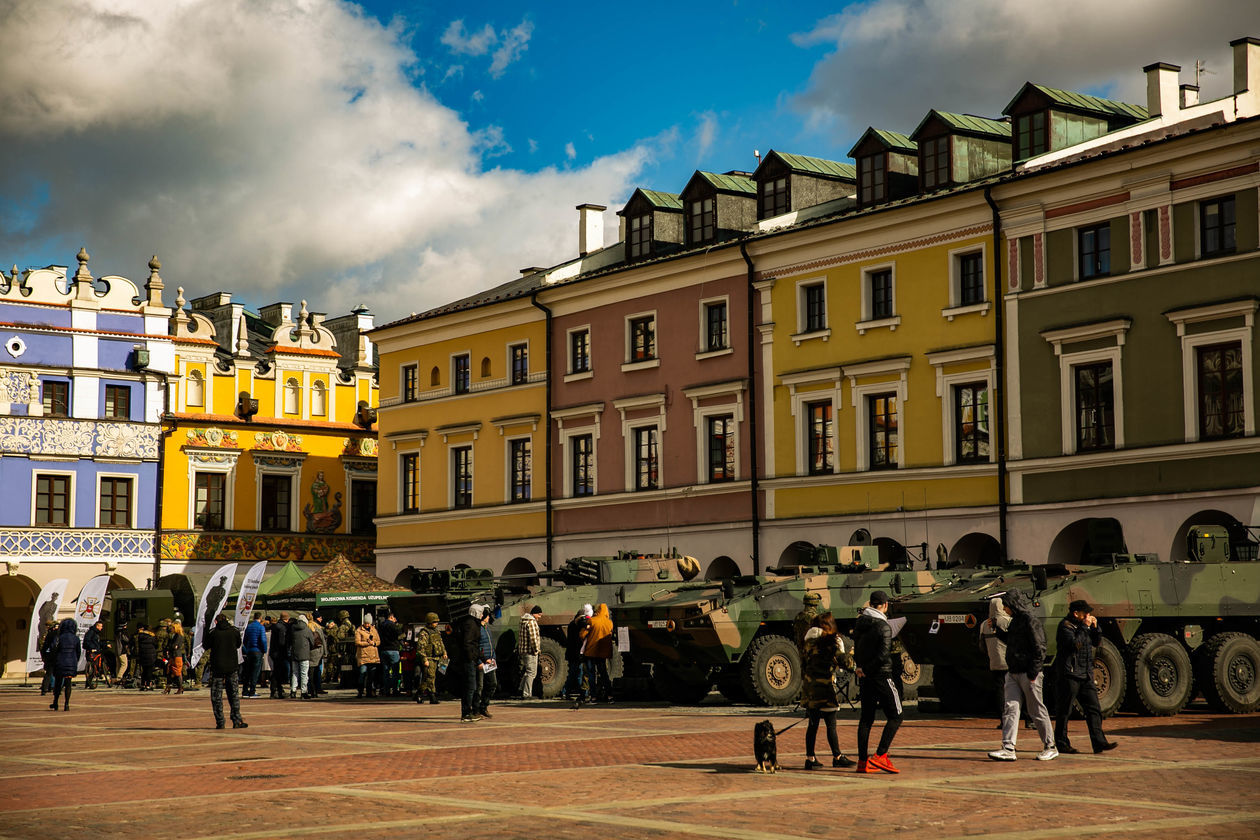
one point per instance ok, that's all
(1241, 730)
(720, 768)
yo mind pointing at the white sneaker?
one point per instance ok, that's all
(1048, 754)
(1003, 755)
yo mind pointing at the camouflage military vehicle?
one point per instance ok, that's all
(739, 632)
(1169, 629)
(613, 580)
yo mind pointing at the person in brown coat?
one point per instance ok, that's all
(597, 652)
(366, 642)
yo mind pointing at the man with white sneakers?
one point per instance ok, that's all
(1025, 655)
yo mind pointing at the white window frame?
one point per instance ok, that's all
(74, 488)
(702, 345)
(1190, 343)
(734, 406)
(450, 481)
(572, 375)
(507, 471)
(797, 398)
(860, 393)
(801, 333)
(402, 487)
(628, 348)
(868, 322)
(629, 425)
(1116, 329)
(956, 306)
(508, 362)
(631, 453)
(945, 383)
(579, 431)
(135, 481)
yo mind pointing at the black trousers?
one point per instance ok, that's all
(878, 693)
(811, 731)
(1067, 689)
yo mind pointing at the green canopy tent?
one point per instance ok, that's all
(288, 576)
(338, 584)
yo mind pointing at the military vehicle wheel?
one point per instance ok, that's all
(552, 669)
(731, 684)
(771, 671)
(682, 685)
(913, 677)
(1109, 677)
(1230, 676)
(1159, 668)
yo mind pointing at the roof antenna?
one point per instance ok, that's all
(1200, 69)
(757, 155)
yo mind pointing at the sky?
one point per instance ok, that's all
(403, 154)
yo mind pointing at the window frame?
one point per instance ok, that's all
(1199, 350)
(461, 472)
(110, 407)
(639, 460)
(778, 197)
(808, 408)
(707, 226)
(194, 376)
(869, 410)
(292, 396)
(876, 191)
(130, 496)
(68, 493)
(947, 382)
(930, 149)
(1099, 266)
(225, 508)
(574, 458)
(960, 435)
(518, 375)
(868, 319)
(639, 235)
(707, 308)
(804, 288)
(409, 382)
(409, 482)
(964, 280)
(1078, 407)
(571, 335)
(1030, 133)
(858, 395)
(461, 380)
(1068, 362)
(1229, 243)
(883, 301)
(519, 485)
(271, 499)
(730, 446)
(49, 403)
(652, 356)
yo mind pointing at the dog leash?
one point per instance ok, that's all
(789, 726)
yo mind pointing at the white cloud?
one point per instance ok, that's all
(462, 42)
(706, 134)
(509, 44)
(512, 45)
(477, 96)
(893, 60)
(277, 151)
(533, 145)
(453, 72)
(570, 151)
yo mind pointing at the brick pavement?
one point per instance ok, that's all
(122, 764)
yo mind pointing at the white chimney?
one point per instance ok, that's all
(590, 228)
(1189, 96)
(1246, 65)
(1161, 88)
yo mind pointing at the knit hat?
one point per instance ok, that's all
(367, 618)
(878, 598)
(430, 618)
(537, 610)
(587, 611)
(476, 611)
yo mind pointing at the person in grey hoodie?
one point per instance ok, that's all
(299, 656)
(1025, 655)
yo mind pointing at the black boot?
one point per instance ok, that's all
(66, 707)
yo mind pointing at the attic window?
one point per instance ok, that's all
(934, 162)
(873, 179)
(1030, 135)
(774, 197)
(701, 220)
(639, 238)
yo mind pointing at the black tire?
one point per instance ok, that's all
(1109, 677)
(682, 685)
(1230, 672)
(731, 684)
(771, 671)
(1159, 671)
(552, 669)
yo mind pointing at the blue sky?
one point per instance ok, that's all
(404, 154)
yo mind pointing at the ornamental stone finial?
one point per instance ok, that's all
(179, 297)
(83, 256)
(155, 265)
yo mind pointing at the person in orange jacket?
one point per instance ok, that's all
(596, 653)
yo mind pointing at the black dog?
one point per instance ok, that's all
(765, 747)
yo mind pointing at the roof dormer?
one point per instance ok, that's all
(787, 182)
(887, 166)
(958, 148)
(652, 223)
(1046, 119)
(718, 206)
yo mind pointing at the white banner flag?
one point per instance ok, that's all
(88, 607)
(46, 607)
(245, 599)
(212, 601)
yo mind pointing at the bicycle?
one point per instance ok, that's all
(96, 668)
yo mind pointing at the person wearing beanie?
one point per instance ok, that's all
(872, 653)
(805, 619)
(366, 642)
(528, 644)
(300, 640)
(222, 645)
(1077, 637)
(1025, 655)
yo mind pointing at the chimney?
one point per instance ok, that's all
(1189, 96)
(1246, 65)
(590, 228)
(1161, 88)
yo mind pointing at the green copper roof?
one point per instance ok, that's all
(971, 124)
(662, 200)
(1085, 102)
(817, 166)
(894, 140)
(730, 183)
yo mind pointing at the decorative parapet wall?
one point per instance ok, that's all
(78, 438)
(248, 546)
(76, 543)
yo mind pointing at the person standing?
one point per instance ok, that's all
(805, 620)
(528, 644)
(66, 660)
(366, 642)
(390, 655)
(222, 644)
(872, 653)
(487, 667)
(146, 656)
(468, 634)
(48, 653)
(1077, 637)
(1025, 656)
(575, 639)
(300, 640)
(430, 653)
(279, 656)
(598, 650)
(255, 646)
(93, 645)
(824, 652)
(175, 658)
(123, 641)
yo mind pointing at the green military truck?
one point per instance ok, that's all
(739, 632)
(1170, 630)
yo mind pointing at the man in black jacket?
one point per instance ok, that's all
(468, 638)
(872, 653)
(223, 643)
(279, 645)
(390, 655)
(1025, 655)
(1076, 639)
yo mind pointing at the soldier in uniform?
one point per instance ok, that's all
(345, 649)
(804, 618)
(163, 636)
(430, 652)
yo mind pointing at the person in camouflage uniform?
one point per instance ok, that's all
(430, 652)
(332, 651)
(162, 637)
(345, 650)
(804, 619)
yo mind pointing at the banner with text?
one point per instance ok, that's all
(213, 598)
(88, 608)
(46, 607)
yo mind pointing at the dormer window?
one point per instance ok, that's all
(701, 220)
(1030, 136)
(774, 197)
(934, 162)
(873, 179)
(639, 236)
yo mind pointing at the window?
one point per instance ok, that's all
(319, 401)
(646, 463)
(701, 221)
(462, 476)
(1216, 227)
(971, 423)
(1221, 397)
(52, 500)
(580, 351)
(971, 279)
(117, 402)
(640, 236)
(881, 293)
(208, 503)
(292, 397)
(934, 156)
(277, 493)
(1094, 249)
(461, 372)
(818, 434)
(522, 468)
(815, 296)
(582, 465)
(411, 382)
(485, 367)
(1095, 407)
(1030, 133)
(362, 507)
(196, 389)
(721, 435)
(520, 364)
(882, 428)
(435, 377)
(774, 197)
(409, 474)
(115, 503)
(873, 179)
(56, 399)
(716, 333)
(643, 338)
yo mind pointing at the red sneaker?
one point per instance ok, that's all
(883, 762)
(865, 766)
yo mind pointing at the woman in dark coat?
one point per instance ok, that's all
(48, 653)
(824, 653)
(146, 656)
(67, 662)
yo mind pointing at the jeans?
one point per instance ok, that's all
(1017, 686)
(369, 676)
(529, 670)
(389, 671)
(253, 667)
(573, 682)
(298, 676)
(487, 687)
(597, 681)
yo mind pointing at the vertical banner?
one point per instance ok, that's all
(88, 607)
(245, 599)
(46, 607)
(212, 600)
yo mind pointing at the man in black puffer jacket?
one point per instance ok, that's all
(872, 653)
(468, 639)
(222, 645)
(1025, 655)
(1076, 640)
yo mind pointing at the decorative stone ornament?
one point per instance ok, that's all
(15, 346)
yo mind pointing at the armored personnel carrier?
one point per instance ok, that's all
(1169, 629)
(627, 576)
(739, 634)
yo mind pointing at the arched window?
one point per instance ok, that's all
(435, 377)
(195, 393)
(485, 368)
(319, 403)
(292, 397)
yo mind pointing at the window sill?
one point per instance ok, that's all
(579, 376)
(713, 354)
(880, 323)
(800, 338)
(644, 365)
(953, 312)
